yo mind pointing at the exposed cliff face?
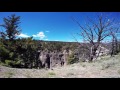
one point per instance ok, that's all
(56, 58)
(59, 58)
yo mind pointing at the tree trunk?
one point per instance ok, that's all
(116, 46)
(93, 52)
(112, 49)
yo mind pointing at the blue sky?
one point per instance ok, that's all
(52, 26)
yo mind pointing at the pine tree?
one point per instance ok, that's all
(11, 26)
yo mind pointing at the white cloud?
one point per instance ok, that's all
(23, 35)
(40, 35)
(34, 35)
(46, 39)
(47, 31)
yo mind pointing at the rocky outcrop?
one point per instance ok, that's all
(51, 59)
(102, 51)
(59, 58)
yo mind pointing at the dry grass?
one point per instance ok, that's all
(106, 67)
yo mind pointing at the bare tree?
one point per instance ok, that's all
(114, 43)
(95, 31)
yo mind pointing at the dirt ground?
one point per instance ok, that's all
(104, 67)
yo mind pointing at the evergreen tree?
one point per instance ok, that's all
(11, 25)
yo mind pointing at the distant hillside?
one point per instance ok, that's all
(55, 41)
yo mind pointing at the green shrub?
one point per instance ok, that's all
(3, 64)
(72, 59)
(51, 73)
(8, 62)
(13, 63)
(4, 52)
(17, 63)
(11, 54)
